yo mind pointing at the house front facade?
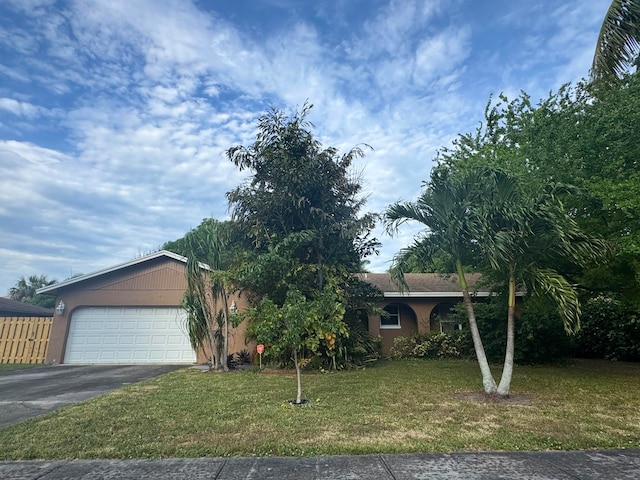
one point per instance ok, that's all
(424, 305)
(132, 313)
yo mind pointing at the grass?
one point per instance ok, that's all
(7, 367)
(397, 407)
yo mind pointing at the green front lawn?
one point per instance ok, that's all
(398, 407)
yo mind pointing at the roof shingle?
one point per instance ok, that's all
(13, 308)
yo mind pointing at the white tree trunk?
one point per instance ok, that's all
(225, 332)
(507, 369)
(487, 378)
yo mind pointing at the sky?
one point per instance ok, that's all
(115, 115)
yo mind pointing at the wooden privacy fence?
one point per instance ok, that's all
(24, 339)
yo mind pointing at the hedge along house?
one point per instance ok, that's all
(129, 313)
(423, 306)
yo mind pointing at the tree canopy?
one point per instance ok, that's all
(300, 210)
(301, 197)
(585, 137)
(25, 291)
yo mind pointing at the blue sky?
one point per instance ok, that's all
(115, 115)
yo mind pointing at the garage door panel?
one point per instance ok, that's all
(128, 335)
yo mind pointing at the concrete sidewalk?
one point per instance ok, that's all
(583, 465)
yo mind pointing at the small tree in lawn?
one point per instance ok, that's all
(300, 326)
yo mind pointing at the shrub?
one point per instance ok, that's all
(431, 345)
(539, 333)
(231, 361)
(610, 330)
(243, 357)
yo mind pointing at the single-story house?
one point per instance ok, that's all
(132, 313)
(24, 331)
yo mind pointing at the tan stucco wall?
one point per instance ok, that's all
(421, 307)
(158, 283)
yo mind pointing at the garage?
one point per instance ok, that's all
(127, 313)
(128, 335)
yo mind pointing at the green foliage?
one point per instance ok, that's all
(25, 291)
(584, 136)
(206, 299)
(618, 41)
(305, 236)
(299, 325)
(298, 187)
(610, 330)
(194, 242)
(539, 334)
(420, 257)
(432, 346)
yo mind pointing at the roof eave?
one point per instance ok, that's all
(52, 289)
(433, 294)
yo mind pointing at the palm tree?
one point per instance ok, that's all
(618, 41)
(207, 296)
(444, 208)
(522, 238)
(25, 291)
(519, 236)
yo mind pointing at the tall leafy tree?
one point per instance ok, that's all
(301, 212)
(301, 196)
(618, 42)
(584, 136)
(25, 291)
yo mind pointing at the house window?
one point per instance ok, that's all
(392, 317)
(443, 318)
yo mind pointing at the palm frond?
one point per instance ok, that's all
(618, 41)
(551, 284)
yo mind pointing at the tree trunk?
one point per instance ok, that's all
(225, 348)
(507, 370)
(299, 394)
(217, 353)
(211, 335)
(212, 348)
(487, 378)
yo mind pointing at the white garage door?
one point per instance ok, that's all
(128, 335)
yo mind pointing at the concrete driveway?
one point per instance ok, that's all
(33, 391)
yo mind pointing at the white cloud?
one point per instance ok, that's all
(125, 109)
(438, 56)
(22, 109)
